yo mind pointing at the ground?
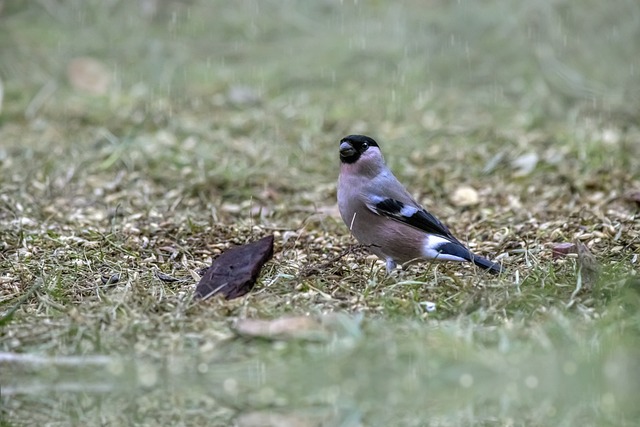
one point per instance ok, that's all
(139, 141)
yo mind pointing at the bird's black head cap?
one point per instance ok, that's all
(352, 147)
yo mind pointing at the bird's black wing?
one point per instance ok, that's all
(414, 216)
(419, 218)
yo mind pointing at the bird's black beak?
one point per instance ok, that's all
(346, 150)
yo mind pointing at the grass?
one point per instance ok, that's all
(221, 125)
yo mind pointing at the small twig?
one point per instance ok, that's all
(308, 270)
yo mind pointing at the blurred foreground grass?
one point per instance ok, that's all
(147, 137)
(407, 373)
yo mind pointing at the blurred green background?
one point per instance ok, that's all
(300, 74)
(498, 60)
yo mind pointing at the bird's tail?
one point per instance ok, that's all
(456, 251)
(492, 267)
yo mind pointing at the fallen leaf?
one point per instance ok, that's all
(234, 273)
(284, 328)
(333, 326)
(633, 196)
(561, 250)
(89, 75)
(465, 196)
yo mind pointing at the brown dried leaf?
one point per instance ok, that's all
(234, 273)
(89, 75)
(284, 328)
(561, 250)
(633, 196)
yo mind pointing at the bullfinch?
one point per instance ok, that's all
(382, 215)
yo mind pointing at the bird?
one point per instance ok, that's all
(382, 215)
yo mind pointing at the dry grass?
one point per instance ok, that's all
(221, 125)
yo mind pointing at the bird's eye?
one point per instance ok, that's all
(364, 146)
